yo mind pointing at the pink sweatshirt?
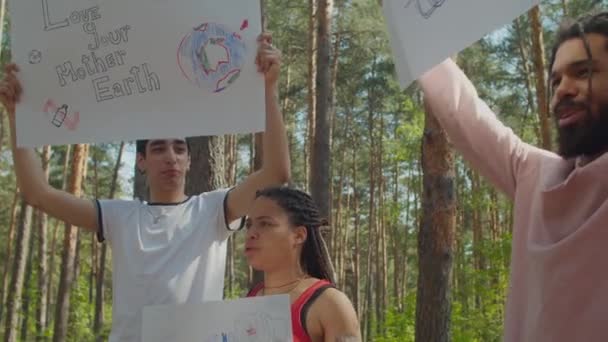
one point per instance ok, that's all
(558, 289)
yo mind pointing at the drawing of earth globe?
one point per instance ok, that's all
(211, 56)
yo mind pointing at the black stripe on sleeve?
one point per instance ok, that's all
(100, 235)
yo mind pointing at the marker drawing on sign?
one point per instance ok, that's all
(426, 8)
(60, 116)
(35, 56)
(211, 56)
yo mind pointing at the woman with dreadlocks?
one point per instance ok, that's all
(284, 241)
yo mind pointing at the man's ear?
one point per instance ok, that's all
(141, 163)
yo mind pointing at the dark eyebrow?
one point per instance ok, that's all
(250, 220)
(263, 218)
(576, 65)
(157, 143)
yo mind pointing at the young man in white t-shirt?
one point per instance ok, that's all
(172, 249)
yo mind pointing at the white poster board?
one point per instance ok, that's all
(110, 70)
(255, 319)
(423, 33)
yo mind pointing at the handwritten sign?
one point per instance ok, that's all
(425, 32)
(108, 70)
(257, 319)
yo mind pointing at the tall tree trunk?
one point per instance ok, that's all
(541, 81)
(380, 252)
(368, 311)
(312, 89)
(382, 246)
(18, 273)
(78, 235)
(1, 123)
(230, 151)
(43, 271)
(339, 235)
(207, 165)
(93, 237)
(257, 160)
(493, 214)
(69, 251)
(478, 262)
(286, 106)
(27, 289)
(417, 186)
(2, 17)
(320, 166)
(3, 11)
(436, 236)
(399, 250)
(334, 245)
(99, 288)
(458, 275)
(356, 255)
(345, 242)
(524, 62)
(94, 266)
(50, 283)
(11, 237)
(54, 244)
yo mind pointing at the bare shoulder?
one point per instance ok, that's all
(337, 316)
(334, 297)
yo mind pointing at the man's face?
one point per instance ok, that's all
(580, 102)
(166, 163)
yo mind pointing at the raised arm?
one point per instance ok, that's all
(485, 142)
(276, 166)
(28, 169)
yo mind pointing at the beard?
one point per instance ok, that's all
(589, 137)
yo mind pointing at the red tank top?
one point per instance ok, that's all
(299, 308)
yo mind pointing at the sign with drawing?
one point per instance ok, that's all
(255, 319)
(425, 32)
(108, 70)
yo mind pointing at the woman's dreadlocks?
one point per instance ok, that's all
(302, 211)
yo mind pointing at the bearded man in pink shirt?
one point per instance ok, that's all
(558, 288)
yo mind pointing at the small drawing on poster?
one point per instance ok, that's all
(60, 116)
(35, 56)
(211, 56)
(251, 327)
(426, 8)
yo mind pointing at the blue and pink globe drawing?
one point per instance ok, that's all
(211, 56)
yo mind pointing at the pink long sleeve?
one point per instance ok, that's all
(491, 147)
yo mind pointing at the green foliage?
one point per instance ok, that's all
(400, 325)
(81, 319)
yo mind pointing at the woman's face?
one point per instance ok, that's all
(271, 241)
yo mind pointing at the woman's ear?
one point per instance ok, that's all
(301, 235)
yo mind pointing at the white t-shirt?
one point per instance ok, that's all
(163, 254)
